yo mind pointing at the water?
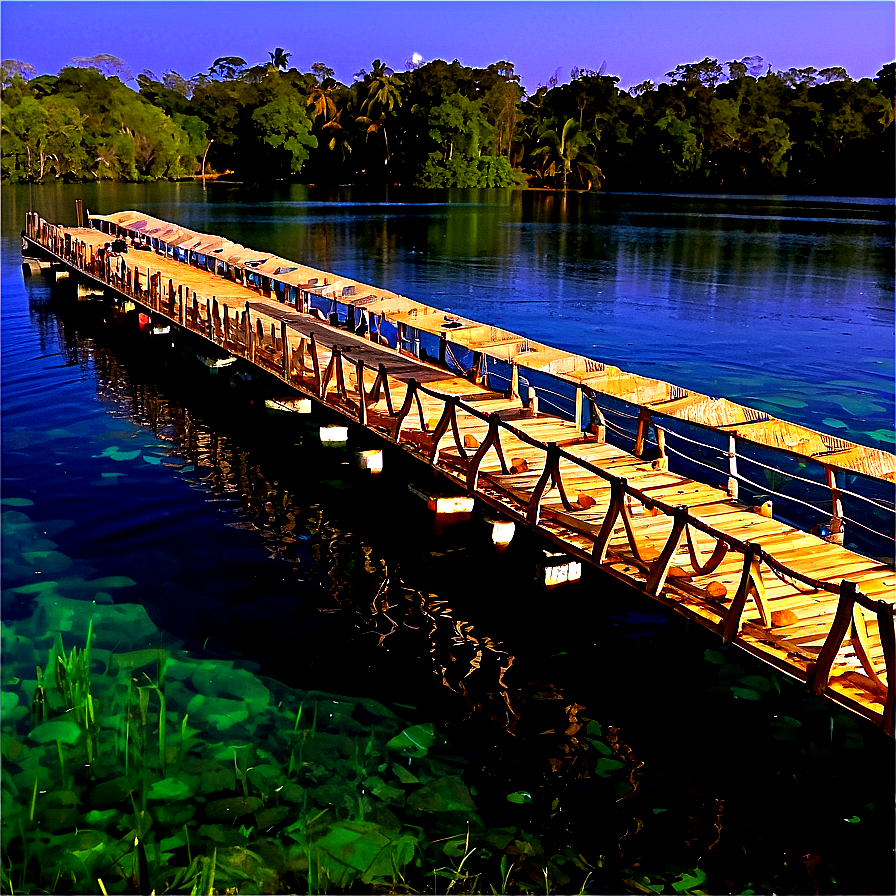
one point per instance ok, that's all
(242, 537)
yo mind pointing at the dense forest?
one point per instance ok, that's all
(733, 127)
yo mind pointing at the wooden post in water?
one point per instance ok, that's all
(284, 340)
(209, 321)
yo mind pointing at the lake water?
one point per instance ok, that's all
(131, 482)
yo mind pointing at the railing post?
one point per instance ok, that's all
(837, 527)
(750, 581)
(656, 578)
(547, 474)
(315, 363)
(362, 398)
(662, 462)
(598, 428)
(577, 417)
(442, 427)
(834, 641)
(339, 371)
(643, 425)
(514, 379)
(732, 466)
(617, 498)
(383, 377)
(887, 635)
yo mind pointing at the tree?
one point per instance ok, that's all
(227, 68)
(707, 72)
(110, 66)
(383, 96)
(566, 152)
(643, 87)
(321, 100)
(13, 68)
(279, 59)
(283, 127)
(885, 80)
(322, 72)
(42, 137)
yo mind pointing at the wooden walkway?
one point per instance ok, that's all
(813, 609)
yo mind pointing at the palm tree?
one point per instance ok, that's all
(279, 59)
(566, 152)
(321, 99)
(383, 90)
(339, 138)
(383, 96)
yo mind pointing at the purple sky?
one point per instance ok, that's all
(637, 40)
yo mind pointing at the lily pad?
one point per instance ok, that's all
(108, 793)
(16, 502)
(448, 794)
(689, 880)
(170, 789)
(366, 848)
(62, 730)
(604, 767)
(233, 807)
(414, 741)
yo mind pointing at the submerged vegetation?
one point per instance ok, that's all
(130, 768)
(737, 126)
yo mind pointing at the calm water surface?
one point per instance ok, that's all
(244, 537)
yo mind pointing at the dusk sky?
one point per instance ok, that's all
(636, 40)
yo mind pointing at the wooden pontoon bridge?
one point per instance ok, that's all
(804, 603)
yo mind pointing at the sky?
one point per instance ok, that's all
(633, 41)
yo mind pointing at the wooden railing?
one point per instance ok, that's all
(301, 367)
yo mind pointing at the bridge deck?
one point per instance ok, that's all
(815, 610)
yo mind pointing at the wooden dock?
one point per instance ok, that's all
(805, 604)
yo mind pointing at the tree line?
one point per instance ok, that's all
(733, 127)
